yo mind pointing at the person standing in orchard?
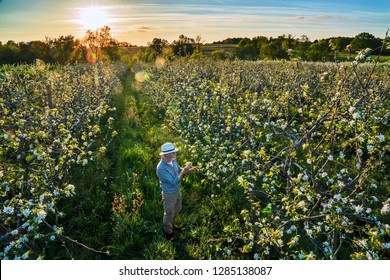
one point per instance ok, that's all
(169, 174)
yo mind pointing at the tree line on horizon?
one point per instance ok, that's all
(288, 47)
(96, 45)
(99, 45)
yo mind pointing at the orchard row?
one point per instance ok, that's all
(307, 143)
(50, 120)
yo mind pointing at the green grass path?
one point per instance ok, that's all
(137, 233)
(118, 209)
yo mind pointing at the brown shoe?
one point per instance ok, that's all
(171, 237)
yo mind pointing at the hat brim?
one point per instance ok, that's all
(169, 152)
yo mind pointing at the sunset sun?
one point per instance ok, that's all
(94, 17)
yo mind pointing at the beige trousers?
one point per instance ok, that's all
(172, 207)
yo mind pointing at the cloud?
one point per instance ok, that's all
(144, 29)
(324, 17)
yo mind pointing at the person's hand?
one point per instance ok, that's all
(189, 168)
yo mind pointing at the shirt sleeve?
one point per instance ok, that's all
(167, 178)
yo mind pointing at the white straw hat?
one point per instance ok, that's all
(168, 148)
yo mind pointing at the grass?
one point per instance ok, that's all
(117, 210)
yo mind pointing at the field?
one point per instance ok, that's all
(230, 50)
(293, 158)
(227, 48)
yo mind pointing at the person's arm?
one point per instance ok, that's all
(183, 171)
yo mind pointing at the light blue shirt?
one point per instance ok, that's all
(169, 176)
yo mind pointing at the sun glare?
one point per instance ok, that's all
(94, 17)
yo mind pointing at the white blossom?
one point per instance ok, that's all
(381, 137)
(385, 209)
(356, 116)
(41, 215)
(309, 232)
(301, 256)
(26, 212)
(293, 227)
(337, 196)
(8, 210)
(358, 209)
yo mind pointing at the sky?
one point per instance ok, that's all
(139, 22)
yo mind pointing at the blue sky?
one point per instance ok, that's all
(138, 22)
